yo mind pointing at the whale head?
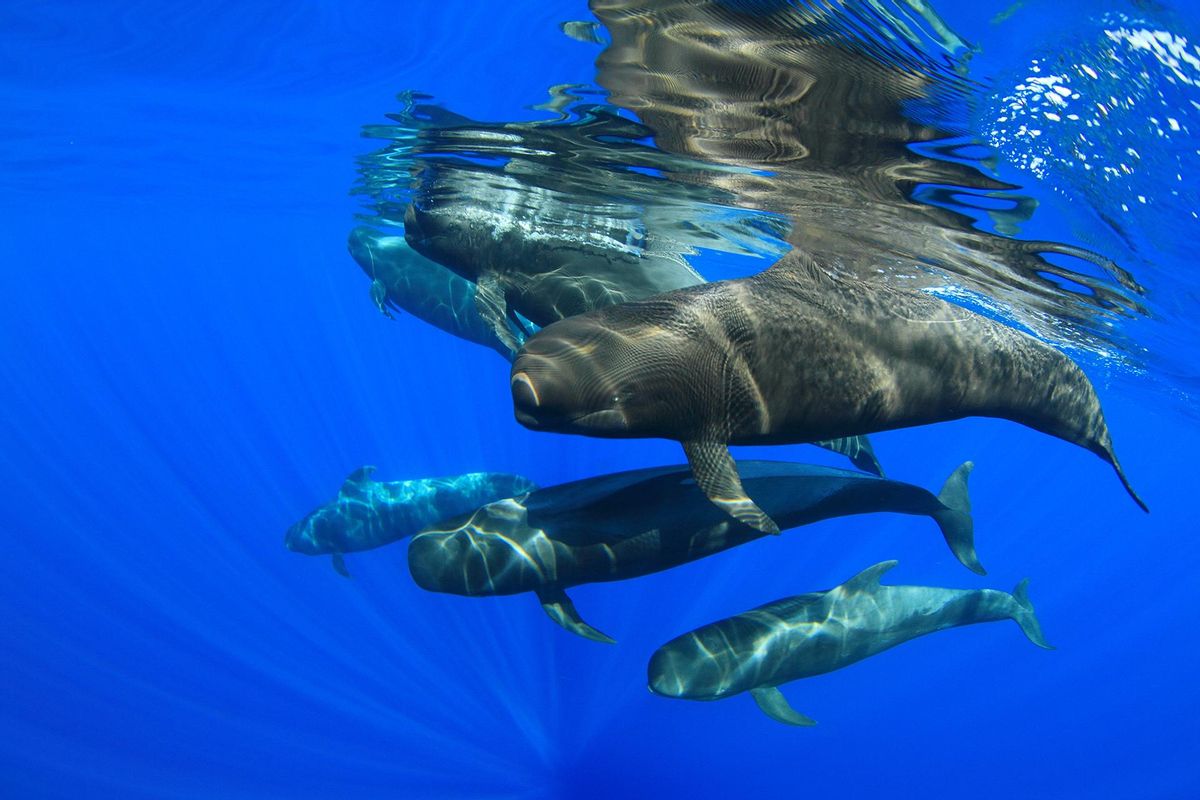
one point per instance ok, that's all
(490, 551)
(599, 374)
(317, 533)
(687, 669)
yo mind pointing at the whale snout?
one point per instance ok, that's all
(668, 673)
(560, 382)
(436, 561)
(526, 400)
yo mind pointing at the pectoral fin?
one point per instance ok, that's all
(856, 448)
(562, 610)
(775, 706)
(717, 476)
(339, 565)
(379, 297)
(493, 309)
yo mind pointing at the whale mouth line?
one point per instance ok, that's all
(607, 415)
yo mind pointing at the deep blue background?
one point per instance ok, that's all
(189, 362)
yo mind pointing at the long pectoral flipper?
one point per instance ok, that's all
(717, 476)
(775, 706)
(493, 309)
(856, 448)
(560, 609)
(339, 565)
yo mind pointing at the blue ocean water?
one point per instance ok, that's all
(191, 362)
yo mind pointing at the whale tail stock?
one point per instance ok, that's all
(1025, 617)
(955, 520)
(1104, 449)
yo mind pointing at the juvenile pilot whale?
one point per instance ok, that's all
(402, 278)
(793, 355)
(812, 634)
(367, 513)
(629, 524)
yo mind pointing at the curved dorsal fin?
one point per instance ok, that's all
(869, 578)
(354, 481)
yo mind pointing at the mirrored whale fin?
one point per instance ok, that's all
(493, 309)
(856, 448)
(339, 565)
(379, 297)
(868, 579)
(1026, 618)
(560, 609)
(958, 527)
(775, 706)
(717, 476)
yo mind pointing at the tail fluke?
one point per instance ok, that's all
(1112, 458)
(1025, 616)
(958, 527)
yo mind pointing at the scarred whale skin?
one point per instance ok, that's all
(812, 634)
(792, 355)
(629, 524)
(368, 513)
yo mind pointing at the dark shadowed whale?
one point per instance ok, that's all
(812, 634)
(519, 263)
(633, 523)
(367, 513)
(792, 355)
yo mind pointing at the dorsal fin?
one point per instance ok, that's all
(869, 578)
(354, 481)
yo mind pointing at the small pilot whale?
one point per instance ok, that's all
(812, 634)
(793, 355)
(403, 279)
(367, 513)
(634, 523)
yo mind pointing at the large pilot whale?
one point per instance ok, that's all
(812, 634)
(629, 524)
(793, 355)
(368, 513)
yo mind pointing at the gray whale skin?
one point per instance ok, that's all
(812, 634)
(368, 513)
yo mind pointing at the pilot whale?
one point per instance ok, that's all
(527, 258)
(634, 523)
(368, 513)
(812, 634)
(792, 355)
(403, 279)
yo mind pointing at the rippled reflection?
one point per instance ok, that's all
(747, 127)
(851, 120)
